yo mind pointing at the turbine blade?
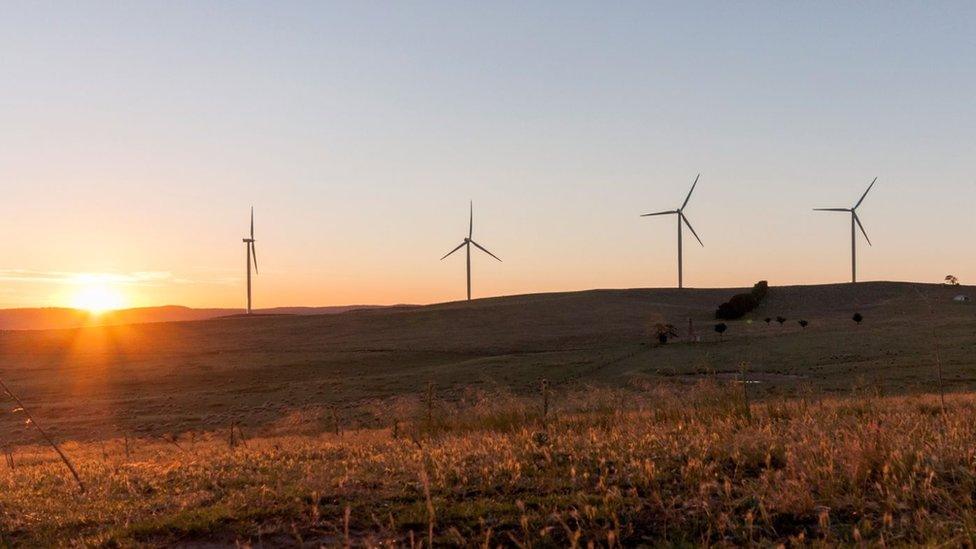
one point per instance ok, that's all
(865, 233)
(660, 213)
(461, 245)
(831, 209)
(688, 223)
(252, 221)
(865, 193)
(480, 247)
(471, 219)
(687, 198)
(254, 256)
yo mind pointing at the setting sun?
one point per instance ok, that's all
(98, 298)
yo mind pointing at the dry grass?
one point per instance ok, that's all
(657, 466)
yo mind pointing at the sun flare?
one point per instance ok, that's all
(98, 298)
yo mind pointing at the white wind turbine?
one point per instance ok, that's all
(855, 224)
(466, 243)
(681, 219)
(252, 256)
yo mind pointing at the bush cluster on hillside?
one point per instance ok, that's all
(740, 304)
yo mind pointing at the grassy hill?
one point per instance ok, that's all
(181, 376)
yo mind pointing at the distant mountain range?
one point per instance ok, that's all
(54, 318)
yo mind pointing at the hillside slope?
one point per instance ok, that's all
(172, 377)
(58, 318)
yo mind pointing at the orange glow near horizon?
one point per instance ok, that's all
(98, 296)
(135, 146)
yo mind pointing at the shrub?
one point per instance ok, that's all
(781, 320)
(665, 331)
(741, 304)
(720, 328)
(767, 320)
(857, 318)
(759, 290)
(804, 323)
(737, 307)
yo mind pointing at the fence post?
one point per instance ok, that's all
(335, 421)
(545, 401)
(430, 405)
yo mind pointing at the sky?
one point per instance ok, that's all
(135, 136)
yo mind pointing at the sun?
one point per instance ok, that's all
(98, 298)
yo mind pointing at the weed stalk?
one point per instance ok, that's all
(30, 421)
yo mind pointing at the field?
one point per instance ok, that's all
(607, 468)
(401, 423)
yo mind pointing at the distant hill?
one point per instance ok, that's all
(55, 318)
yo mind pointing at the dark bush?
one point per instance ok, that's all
(759, 290)
(804, 323)
(741, 304)
(781, 320)
(737, 307)
(720, 328)
(857, 318)
(767, 320)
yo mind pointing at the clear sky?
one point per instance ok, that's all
(134, 137)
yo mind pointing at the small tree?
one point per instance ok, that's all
(804, 323)
(663, 332)
(720, 329)
(767, 320)
(781, 320)
(857, 318)
(951, 280)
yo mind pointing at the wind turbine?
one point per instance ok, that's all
(252, 256)
(681, 219)
(855, 221)
(466, 243)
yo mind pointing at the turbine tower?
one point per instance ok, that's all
(681, 219)
(466, 243)
(855, 224)
(252, 256)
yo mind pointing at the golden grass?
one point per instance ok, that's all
(658, 466)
